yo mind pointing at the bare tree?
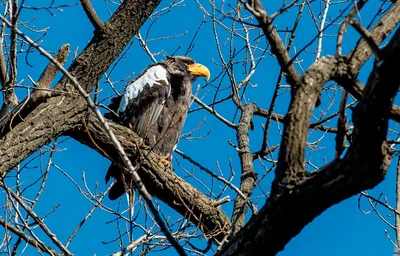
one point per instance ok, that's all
(305, 128)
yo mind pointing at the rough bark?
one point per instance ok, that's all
(248, 177)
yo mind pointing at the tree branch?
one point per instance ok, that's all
(37, 220)
(343, 27)
(47, 76)
(27, 239)
(161, 182)
(97, 23)
(248, 175)
(368, 39)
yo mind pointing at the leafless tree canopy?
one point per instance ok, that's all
(300, 99)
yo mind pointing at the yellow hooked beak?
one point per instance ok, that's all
(199, 70)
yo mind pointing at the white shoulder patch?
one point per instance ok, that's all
(152, 76)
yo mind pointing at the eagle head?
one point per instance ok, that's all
(185, 66)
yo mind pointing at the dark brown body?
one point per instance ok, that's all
(161, 136)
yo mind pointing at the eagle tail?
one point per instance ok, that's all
(118, 188)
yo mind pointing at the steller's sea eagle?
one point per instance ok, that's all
(155, 106)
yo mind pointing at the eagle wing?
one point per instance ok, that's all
(139, 108)
(144, 99)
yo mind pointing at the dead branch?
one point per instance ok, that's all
(47, 76)
(97, 23)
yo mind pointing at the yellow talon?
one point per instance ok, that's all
(164, 160)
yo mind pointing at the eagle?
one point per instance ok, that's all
(155, 106)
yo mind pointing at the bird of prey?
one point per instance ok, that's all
(155, 106)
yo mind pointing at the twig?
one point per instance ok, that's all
(217, 177)
(252, 61)
(26, 238)
(9, 98)
(277, 46)
(38, 194)
(321, 29)
(143, 44)
(215, 113)
(364, 193)
(132, 246)
(48, 232)
(95, 206)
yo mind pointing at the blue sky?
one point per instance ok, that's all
(342, 229)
